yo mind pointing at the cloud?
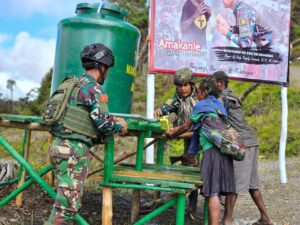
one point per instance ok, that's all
(27, 61)
(21, 88)
(4, 38)
(57, 8)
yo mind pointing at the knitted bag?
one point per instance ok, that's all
(224, 137)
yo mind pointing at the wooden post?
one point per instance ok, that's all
(49, 178)
(135, 209)
(135, 205)
(107, 210)
(19, 198)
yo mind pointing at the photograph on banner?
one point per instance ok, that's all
(249, 40)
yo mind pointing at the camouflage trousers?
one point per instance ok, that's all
(69, 159)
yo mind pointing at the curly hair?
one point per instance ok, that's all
(209, 86)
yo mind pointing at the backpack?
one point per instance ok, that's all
(57, 103)
(224, 137)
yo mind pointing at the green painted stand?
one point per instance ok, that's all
(159, 177)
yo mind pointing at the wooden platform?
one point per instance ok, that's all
(164, 175)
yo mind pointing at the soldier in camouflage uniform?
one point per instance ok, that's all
(183, 101)
(182, 104)
(250, 26)
(69, 152)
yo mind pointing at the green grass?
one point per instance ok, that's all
(262, 110)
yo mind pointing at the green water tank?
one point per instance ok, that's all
(105, 24)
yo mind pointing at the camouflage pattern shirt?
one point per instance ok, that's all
(181, 106)
(250, 27)
(91, 97)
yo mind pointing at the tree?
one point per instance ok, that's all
(10, 85)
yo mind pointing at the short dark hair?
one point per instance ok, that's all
(221, 76)
(209, 85)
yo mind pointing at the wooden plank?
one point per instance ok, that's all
(153, 181)
(163, 168)
(22, 119)
(19, 125)
(174, 170)
(148, 181)
(160, 176)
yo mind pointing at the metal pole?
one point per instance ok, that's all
(139, 151)
(160, 151)
(13, 194)
(157, 211)
(35, 176)
(180, 209)
(19, 199)
(283, 137)
(150, 99)
(150, 109)
(109, 159)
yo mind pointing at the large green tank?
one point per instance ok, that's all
(106, 25)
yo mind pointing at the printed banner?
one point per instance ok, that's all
(249, 40)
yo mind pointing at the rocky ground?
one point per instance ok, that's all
(282, 200)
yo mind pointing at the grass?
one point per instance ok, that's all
(262, 109)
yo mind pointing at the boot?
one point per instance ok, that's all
(175, 159)
(188, 160)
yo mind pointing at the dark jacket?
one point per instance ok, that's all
(236, 118)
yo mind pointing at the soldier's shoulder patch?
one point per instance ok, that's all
(103, 98)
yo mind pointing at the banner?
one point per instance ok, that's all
(249, 40)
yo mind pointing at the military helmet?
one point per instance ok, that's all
(96, 53)
(183, 76)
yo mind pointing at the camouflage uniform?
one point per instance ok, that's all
(250, 27)
(182, 107)
(69, 152)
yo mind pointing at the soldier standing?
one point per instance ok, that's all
(182, 104)
(69, 151)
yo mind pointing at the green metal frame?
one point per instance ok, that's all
(35, 177)
(141, 129)
(147, 129)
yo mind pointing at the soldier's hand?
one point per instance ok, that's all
(157, 113)
(123, 123)
(118, 119)
(124, 130)
(168, 135)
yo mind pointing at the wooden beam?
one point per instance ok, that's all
(19, 199)
(28, 126)
(107, 210)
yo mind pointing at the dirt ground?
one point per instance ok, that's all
(282, 200)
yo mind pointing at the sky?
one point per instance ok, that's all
(28, 31)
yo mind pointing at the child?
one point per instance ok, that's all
(216, 169)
